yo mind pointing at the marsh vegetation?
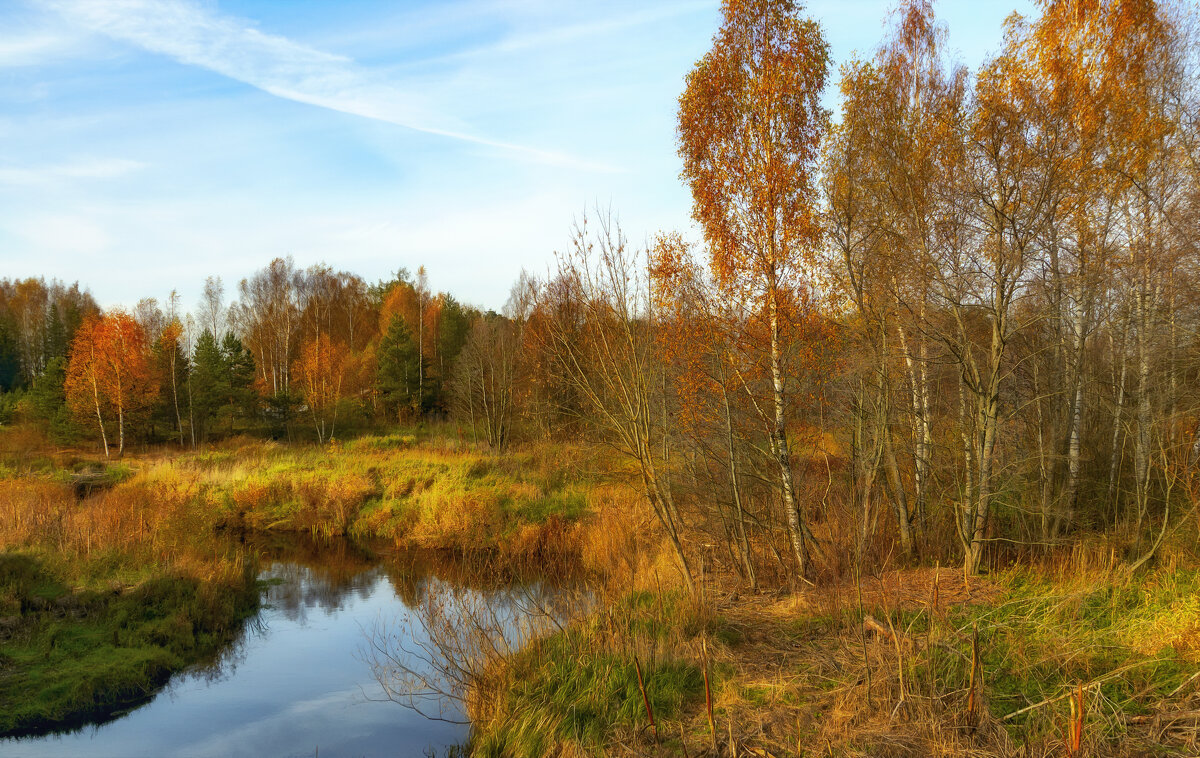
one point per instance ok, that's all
(900, 456)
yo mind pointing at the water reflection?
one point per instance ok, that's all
(296, 681)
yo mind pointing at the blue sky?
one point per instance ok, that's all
(146, 144)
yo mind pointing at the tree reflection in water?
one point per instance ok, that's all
(440, 656)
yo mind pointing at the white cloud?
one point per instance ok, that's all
(86, 168)
(194, 35)
(67, 233)
(34, 48)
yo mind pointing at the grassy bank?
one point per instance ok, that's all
(433, 493)
(74, 655)
(113, 575)
(597, 682)
(819, 674)
(105, 591)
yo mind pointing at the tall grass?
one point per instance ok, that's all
(443, 495)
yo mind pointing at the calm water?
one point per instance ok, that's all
(296, 684)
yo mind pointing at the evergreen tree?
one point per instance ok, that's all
(453, 328)
(10, 358)
(48, 402)
(399, 369)
(238, 376)
(57, 339)
(208, 374)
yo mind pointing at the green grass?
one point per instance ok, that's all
(580, 685)
(432, 492)
(75, 655)
(1136, 640)
(97, 612)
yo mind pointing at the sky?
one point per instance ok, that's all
(147, 144)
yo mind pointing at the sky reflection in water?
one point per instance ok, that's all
(294, 684)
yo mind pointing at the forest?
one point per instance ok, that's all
(907, 422)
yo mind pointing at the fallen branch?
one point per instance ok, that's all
(1084, 687)
(1158, 718)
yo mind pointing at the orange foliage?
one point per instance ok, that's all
(110, 373)
(320, 371)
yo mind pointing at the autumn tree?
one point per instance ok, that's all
(697, 338)
(599, 331)
(750, 128)
(483, 386)
(110, 373)
(268, 314)
(320, 372)
(172, 365)
(891, 209)
(38, 320)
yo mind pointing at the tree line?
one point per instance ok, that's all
(298, 353)
(955, 319)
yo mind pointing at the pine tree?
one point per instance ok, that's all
(454, 326)
(10, 361)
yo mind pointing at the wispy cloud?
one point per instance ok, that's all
(572, 32)
(85, 168)
(31, 49)
(194, 35)
(63, 233)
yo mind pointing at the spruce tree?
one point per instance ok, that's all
(399, 369)
(208, 376)
(238, 379)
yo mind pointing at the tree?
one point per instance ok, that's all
(48, 400)
(110, 373)
(399, 371)
(268, 316)
(206, 377)
(212, 312)
(320, 372)
(750, 127)
(485, 371)
(454, 327)
(890, 210)
(222, 381)
(599, 330)
(238, 378)
(172, 367)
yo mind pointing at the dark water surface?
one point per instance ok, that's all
(296, 684)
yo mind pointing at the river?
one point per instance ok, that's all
(298, 682)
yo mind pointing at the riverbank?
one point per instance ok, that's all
(73, 656)
(108, 589)
(914, 662)
(103, 597)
